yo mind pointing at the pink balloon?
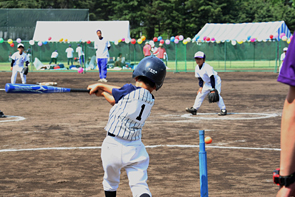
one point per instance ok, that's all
(123, 39)
(213, 39)
(205, 37)
(49, 38)
(282, 34)
(80, 70)
(167, 41)
(176, 41)
(252, 39)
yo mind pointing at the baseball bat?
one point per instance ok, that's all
(38, 89)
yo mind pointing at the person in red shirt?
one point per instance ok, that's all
(147, 49)
(161, 52)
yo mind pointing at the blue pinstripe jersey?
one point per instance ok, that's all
(127, 117)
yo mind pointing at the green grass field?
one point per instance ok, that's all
(182, 66)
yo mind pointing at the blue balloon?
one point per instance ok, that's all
(197, 38)
(159, 38)
(44, 42)
(249, 37)
(172, 39)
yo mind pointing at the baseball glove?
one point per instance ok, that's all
(25, 70)
(213, 96)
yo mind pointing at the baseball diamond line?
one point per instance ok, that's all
(150, 146)
(12, 119)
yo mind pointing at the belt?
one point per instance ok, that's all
(110, 134)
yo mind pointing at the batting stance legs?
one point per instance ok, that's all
(15, 70)
(133, 154)
(206, 89)
(102, 66)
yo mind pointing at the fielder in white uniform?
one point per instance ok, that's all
(17, 64)
(122, 148)
(208, 80)
(80, 54)
(283, 55)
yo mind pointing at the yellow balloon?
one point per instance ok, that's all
(9, 41)
(184, 41)
(139, 41)
(218, 41)
(240, 42)
(143, 38)
(288, 41)
(61, 39)
(120, 40)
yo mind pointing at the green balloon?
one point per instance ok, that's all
(1, 40)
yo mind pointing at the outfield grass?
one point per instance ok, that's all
(189, 66)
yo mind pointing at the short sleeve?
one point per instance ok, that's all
(27, 58)
(108, 43)
(287, 73)
(123, 91)
(209, 71)
(13, 57)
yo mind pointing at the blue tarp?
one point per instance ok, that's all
(261, 31)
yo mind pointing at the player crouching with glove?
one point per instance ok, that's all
(210, 83)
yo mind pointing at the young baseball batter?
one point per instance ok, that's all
(122, 147)
(208, 80)
(17, 64)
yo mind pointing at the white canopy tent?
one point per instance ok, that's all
(75, 31)
(243, 31)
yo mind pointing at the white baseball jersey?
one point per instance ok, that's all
(54, 54)
(127, 117)
(79, 51)
(69, 52)
(19, 59)
(101, 46)
(283, 55)
(205, 72)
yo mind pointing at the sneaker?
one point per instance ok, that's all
(223, 112)
(100, 80)
(191, 110)
(104, 80)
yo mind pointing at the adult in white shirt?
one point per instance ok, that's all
(209, 81)
(70, 56)
(102, 47)
(17, 64)
(54, 57)
(80, 54)
(283, 55)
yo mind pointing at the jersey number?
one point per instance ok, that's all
(140, 114)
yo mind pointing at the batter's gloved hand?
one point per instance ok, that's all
(25, 70)
(213, 96)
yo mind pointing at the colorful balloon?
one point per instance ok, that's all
(31, 42)
(289, 41)
(133, 41)
(18, 40)
(139, 41)
(44, 42)
(176, 41)
(252, 40)
(151, 42)
(9, 41)
(127, 40)
(271, 36)
(181, 37)
(213, 39)
(233, 42)
(177, 37)
(49, 38)
(240, 42)
(66, 40)
(120, 40)
(155, 39)
(60, 40)
(12, 44)
(1, 40)
(123, 39)
(162, 41)
(188, 39)
(207, 39)
(39, 43)
(172, 39)
(167, 42)
(143, 38)
(284, 38)
(282, 35)
(184, 42)
(159, 38)
(88, 42)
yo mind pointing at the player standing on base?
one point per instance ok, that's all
(17, 64)
(122, 147)
(209, 81)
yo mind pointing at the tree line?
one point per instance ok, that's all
(168, 18)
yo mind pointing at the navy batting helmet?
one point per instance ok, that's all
(152, 68)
